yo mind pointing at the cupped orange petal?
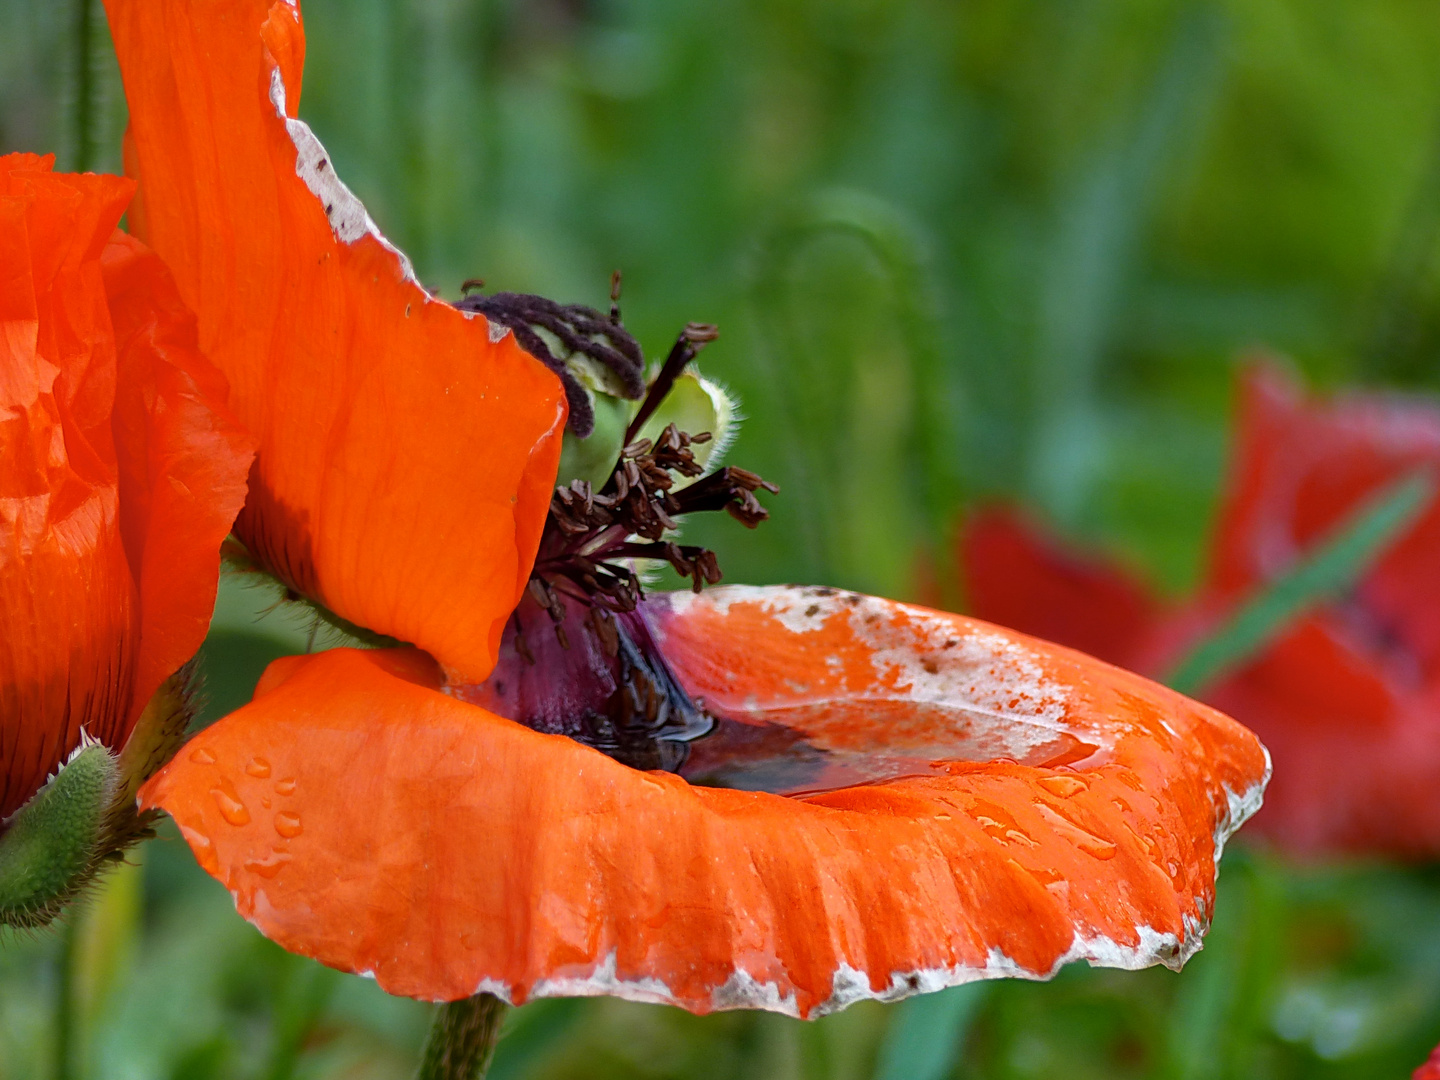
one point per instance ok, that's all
(120, 472)
(1030, 806)
(406, 451)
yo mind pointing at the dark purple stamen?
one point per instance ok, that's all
(687, 346)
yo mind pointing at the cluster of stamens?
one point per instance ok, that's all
(588, 533)
(613, 689)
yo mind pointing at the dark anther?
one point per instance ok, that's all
(687, 346)
(589, 533)
(728, 489)
(469, 285)
(523, 649)
(558, 334)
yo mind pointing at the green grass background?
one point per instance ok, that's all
(957, 250)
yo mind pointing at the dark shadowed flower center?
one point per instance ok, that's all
(577, 658)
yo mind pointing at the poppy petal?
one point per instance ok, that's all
(363, 818)
(406, 456)
(1430, 1070)
(182, 460)
(1358, 762)
(66, 593)
(1017, 576)
(1301, 467)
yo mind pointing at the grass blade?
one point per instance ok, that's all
(1328, 570)
(928, 1033)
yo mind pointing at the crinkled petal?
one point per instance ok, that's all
(405, 458)
(182, 460)
(67, 600)
(1034, 807)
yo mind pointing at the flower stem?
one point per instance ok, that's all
(65, 1003)
(462, 1039)
(84, 84)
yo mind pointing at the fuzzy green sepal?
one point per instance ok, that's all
(235, 558)
(697, 404)
(83, 819)
(52, 841)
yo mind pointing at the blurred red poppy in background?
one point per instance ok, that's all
(120, 472)
(1348, 698)
(924, 799)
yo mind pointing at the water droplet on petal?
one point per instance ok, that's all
(1082, 838)
(231, 808)
(287, 824)
(942, 817)
(258, 768)
(285, 787)
(269, 866)
(1064, 786)
(202, 757)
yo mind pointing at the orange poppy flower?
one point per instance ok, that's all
(1347, 698)
(122, 472)
(910, 799)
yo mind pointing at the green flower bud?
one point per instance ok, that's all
(696, 404)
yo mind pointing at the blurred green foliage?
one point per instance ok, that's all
(957, 251)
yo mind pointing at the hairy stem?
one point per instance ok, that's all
(84, 84)
(462, 1039)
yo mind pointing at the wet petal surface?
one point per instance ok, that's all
(445, 850)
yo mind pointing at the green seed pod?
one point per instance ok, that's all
(593, 457)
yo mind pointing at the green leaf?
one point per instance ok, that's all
(1334, 566)
(928, 1033)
